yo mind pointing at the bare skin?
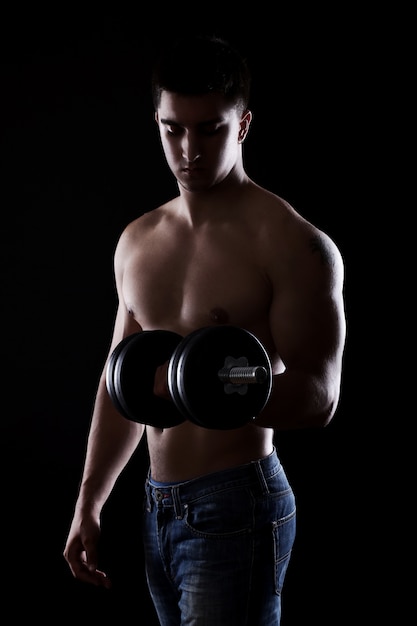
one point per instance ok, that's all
(224, 251)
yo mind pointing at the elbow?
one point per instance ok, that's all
(320, 419)
(328, 409)
(324, 418)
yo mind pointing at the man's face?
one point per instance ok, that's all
(201, 138)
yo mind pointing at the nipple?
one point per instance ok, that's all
(219, 316)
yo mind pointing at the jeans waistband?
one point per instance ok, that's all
(256, 473)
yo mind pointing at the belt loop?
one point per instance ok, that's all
(177, 502)
(148, 495)
(261, 477)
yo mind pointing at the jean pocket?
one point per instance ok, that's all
(223, 514)
(283, 532)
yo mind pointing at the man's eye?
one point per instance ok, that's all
(211, 130)
(173, 130)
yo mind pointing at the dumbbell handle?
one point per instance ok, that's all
(243, 375)
(238, 372)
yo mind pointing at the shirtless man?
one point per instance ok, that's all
(219, 520)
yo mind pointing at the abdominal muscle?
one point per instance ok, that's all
(187, 451)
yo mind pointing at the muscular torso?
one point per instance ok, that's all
(182, 276)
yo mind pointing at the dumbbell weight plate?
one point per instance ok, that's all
(110, 382)
(133, 378)
(196, 387)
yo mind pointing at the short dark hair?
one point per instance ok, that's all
(201, 64)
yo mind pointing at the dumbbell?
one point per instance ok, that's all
(219, 377)
(130, 377)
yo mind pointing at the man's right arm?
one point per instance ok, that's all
(111, 442)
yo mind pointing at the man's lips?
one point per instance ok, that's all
(192, 169)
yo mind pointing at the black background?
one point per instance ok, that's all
(80, 159)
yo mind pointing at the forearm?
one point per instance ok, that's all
(111, 442)
(299, 400)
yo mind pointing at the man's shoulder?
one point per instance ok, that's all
(281, 223)
(274, 211)
(149, 219)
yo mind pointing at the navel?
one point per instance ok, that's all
(219, 316)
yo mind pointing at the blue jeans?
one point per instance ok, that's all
(217, 547)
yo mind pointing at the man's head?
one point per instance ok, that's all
(201, 93)
(198, 65)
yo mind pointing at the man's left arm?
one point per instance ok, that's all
(308, 327)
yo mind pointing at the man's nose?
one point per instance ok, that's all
(191, 151)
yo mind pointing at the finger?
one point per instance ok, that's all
(161, 388)
(99, 579)
(88, 573)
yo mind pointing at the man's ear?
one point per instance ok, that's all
(244, 125)
(156, 117)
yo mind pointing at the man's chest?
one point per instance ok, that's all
(184, 287)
